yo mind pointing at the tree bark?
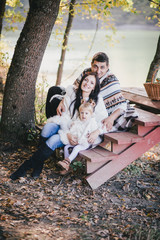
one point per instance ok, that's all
(65, 42)
(18, 110)
(155, 64)
(2, 11)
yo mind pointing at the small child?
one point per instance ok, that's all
(80, 128)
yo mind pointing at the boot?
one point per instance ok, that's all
(42, 140)
(38, 159)
(21, 171)
(36, 162)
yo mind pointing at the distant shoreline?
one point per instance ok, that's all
(137, 27)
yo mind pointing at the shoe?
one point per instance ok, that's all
(65, 164)
(22, 170)
(64, 172)
(36, 172)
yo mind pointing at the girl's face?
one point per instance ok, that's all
(84, 114)
(88, 84)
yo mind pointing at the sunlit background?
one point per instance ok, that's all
(130, 52)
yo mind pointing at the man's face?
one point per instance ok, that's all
(100, 68)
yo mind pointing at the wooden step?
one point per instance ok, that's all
(122, 137)
(147, 119)
(123, 160)
(98, 154)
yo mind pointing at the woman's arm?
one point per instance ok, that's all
(61, 108)
(66, 101)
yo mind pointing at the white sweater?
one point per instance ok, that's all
(79, 129)
(65, 120)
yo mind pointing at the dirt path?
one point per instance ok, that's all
(52, 208)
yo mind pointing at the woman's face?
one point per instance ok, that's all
(88, 84)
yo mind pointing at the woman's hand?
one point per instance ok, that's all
(60, 108)
(72, 139)
(93, 136)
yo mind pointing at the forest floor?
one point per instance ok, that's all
(66, 208)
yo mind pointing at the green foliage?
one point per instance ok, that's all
(14, 14)
(133, 170)
(95, 9)
(143, 14)
(4, 57)
(31, 135)
(155, 5)
(40, 101)
(4, 65)
(101, 10)
(77, 165)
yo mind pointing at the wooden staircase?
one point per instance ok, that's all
(120, 149)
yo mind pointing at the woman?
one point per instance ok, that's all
(88, 89)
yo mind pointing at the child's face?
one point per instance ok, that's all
(84, 114)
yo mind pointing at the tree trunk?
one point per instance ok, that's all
(2, 11)
(155, 64)
(19, 95)
(65, 41)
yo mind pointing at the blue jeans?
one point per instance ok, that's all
(50, 131)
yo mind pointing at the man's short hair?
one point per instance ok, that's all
(101, 57)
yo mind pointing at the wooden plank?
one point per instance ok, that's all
(97, 154)
(139, 97)
(123, 137)
(94, 166)
(118, 148)
(113, 167)
(136, 90)
(147, 119)
(142, 131)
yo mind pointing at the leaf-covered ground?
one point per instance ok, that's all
(56, 208)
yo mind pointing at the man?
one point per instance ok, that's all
(120, 116)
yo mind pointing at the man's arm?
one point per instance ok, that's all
(108, 122)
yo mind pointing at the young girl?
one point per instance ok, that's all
(88, 89)
(80, 128)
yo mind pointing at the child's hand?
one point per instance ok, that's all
(93, 136)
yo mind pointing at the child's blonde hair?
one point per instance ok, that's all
(87, 105)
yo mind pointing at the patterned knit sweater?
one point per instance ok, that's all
(110, 91)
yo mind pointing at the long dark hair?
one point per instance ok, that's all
(93, 95)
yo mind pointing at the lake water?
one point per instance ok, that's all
(130, 57)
